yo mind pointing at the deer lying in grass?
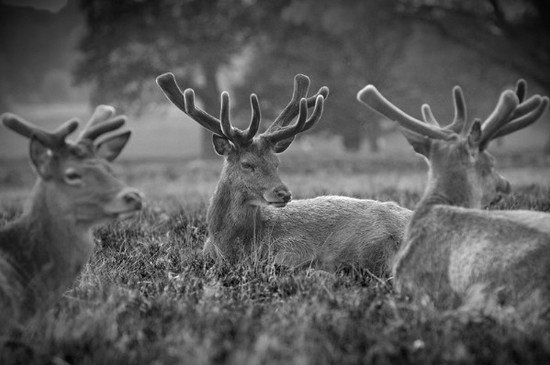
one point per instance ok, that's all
(42, 252)
(455, 253)
(251, 210)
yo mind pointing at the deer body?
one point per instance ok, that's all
(46, 252)
(43, 251)
(454, 253)
(251, 211)
(505, 254)
(328, 232)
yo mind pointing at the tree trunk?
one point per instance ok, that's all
(210, 96)
(374, 143)
(352, 142)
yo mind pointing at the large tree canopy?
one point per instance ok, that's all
(514, 34)
(343, 45)
(129, 43)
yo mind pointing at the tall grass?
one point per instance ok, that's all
(148, 296)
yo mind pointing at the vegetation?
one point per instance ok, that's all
(149, 296)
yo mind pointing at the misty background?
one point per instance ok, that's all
(59, 59)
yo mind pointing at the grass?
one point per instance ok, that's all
(148, 296)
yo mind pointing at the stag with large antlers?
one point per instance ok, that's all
(251, 210)
(454, 253)
(42, 252)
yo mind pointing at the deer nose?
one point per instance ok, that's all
(133, 198)
(283, 193)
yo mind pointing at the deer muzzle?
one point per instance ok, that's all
(278, 196)
(126, 202)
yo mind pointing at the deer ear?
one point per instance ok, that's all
(222, 145)
(281, 146)
(110, 147)
(421, 144)
(41, 158)
(474, 137)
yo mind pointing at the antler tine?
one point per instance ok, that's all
(316, 115)
(255, 118)
(105, 127)
(186, 103)
(370, 96)
(428, 116)
(290, 131)
(506, 105)
(460, 121)
(525, 120)
(101, 114)
(200, 116)
(66, 128)
(26, 129)
(521, 89)
(312, 100)
(301, 87)
(526, 107)
(228, 130)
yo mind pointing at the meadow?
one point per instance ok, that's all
(148, 296)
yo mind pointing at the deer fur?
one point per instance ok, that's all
(43, 251)
(454, 253)
(327, 232)
(251, 211)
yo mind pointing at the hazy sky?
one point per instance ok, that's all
(52, 5)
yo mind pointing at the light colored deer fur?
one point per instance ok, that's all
(328, 232)
(251, 211)
(456, 254)
(43, 251)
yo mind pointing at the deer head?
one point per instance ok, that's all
(250, 161)
(76, 175)
(457, 154)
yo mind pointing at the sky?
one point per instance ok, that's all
(51, 5)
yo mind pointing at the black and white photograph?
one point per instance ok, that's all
(274, 182)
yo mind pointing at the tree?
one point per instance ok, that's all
(128, 43)
(514, 34)
(343, 44)
(24, 34)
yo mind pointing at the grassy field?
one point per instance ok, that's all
(148, 296)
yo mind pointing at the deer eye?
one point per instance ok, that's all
(72, 177)
(247, 166)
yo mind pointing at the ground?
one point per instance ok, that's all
(148, 296)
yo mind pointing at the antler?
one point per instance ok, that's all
(301, 87)
(522, 115)
(507, 117)
(222, 127)
(301, 125)
(524, 120)
(53, 139)
(370, 96)
(458, 125)
(98, 125)
(101, 122)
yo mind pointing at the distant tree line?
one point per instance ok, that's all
(344, 44)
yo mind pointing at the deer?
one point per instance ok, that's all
(456, 254)
(43, 251)
(251, 212)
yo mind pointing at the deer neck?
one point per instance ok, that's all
(452, 188)
(56, 235)
(230, 214)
